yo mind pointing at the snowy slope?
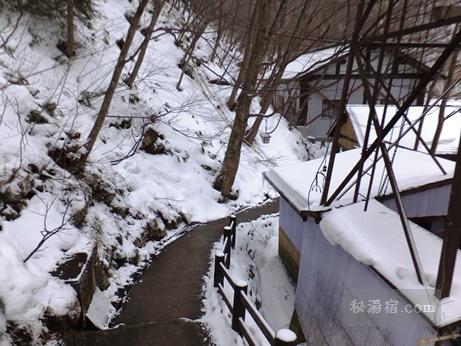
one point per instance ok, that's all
(49, 102)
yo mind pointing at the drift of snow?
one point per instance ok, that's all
(255, 260)
(375, 237)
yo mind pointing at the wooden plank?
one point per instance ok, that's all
(289, 254)
(228, 276)
(259, 319)
(224, 297)
(247, 333)
(452, 237)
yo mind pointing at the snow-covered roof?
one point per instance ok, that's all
(376, 238)
(313, 60)
(297, 183)
(449, 138)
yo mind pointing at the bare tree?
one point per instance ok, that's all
(158, 5)
(226, 176)
(91, 140)
(198, 32)
(69, 49)
(283, 57)
(204, 15)
(243, 65)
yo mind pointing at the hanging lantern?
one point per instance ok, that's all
(266, 138)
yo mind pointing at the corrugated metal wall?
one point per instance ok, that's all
(329, 281)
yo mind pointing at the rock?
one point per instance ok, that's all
(22, 336)
(79, 271)
(101, 191)
(63, 322)
(133, 99)
(149, 142)
(102, 275)
(123, 125)
(171, 222)
(79, 216)
(36, 117)
(151, 231)
(50, 107)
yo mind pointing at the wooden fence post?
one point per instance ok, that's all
(218, 274)
(285, 337)
(233, 220)
(239, 307)
(227, 249)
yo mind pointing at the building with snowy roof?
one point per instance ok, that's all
(312, 84)
(356, 284)
(426, 121)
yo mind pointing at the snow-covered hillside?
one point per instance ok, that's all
(133, 198)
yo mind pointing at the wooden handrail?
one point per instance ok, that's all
(223, 295)
(228, 276)
(259, 319)
(247, 333)
(241, 302)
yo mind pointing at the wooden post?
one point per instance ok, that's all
(218, 274)
(227, 249)
(452, 236)
(233, 220)
(285, 337)
(239, 307)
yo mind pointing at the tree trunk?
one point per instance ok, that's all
(448, 81)
(69, 49)
(91, 140)
(226, 176)
(188, 55)
(219, 34)
(278, 71)
(142, 51)
(266, 102)
(244, 65)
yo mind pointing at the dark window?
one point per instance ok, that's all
(330, 108)
(339, 64)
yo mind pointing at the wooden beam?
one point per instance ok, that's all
(409, 100)
(452, 236)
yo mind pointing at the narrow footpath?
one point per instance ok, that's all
(163, 308)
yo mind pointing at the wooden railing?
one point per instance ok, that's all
(241, 303)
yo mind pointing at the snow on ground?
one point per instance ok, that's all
(48, 102)
(255, 260)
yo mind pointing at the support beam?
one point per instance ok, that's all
(360, 19)
(419, 28)
(393, 181)
(396, 104)
(414, 94)
(452, 236)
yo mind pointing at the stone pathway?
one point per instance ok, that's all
(163, 308)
